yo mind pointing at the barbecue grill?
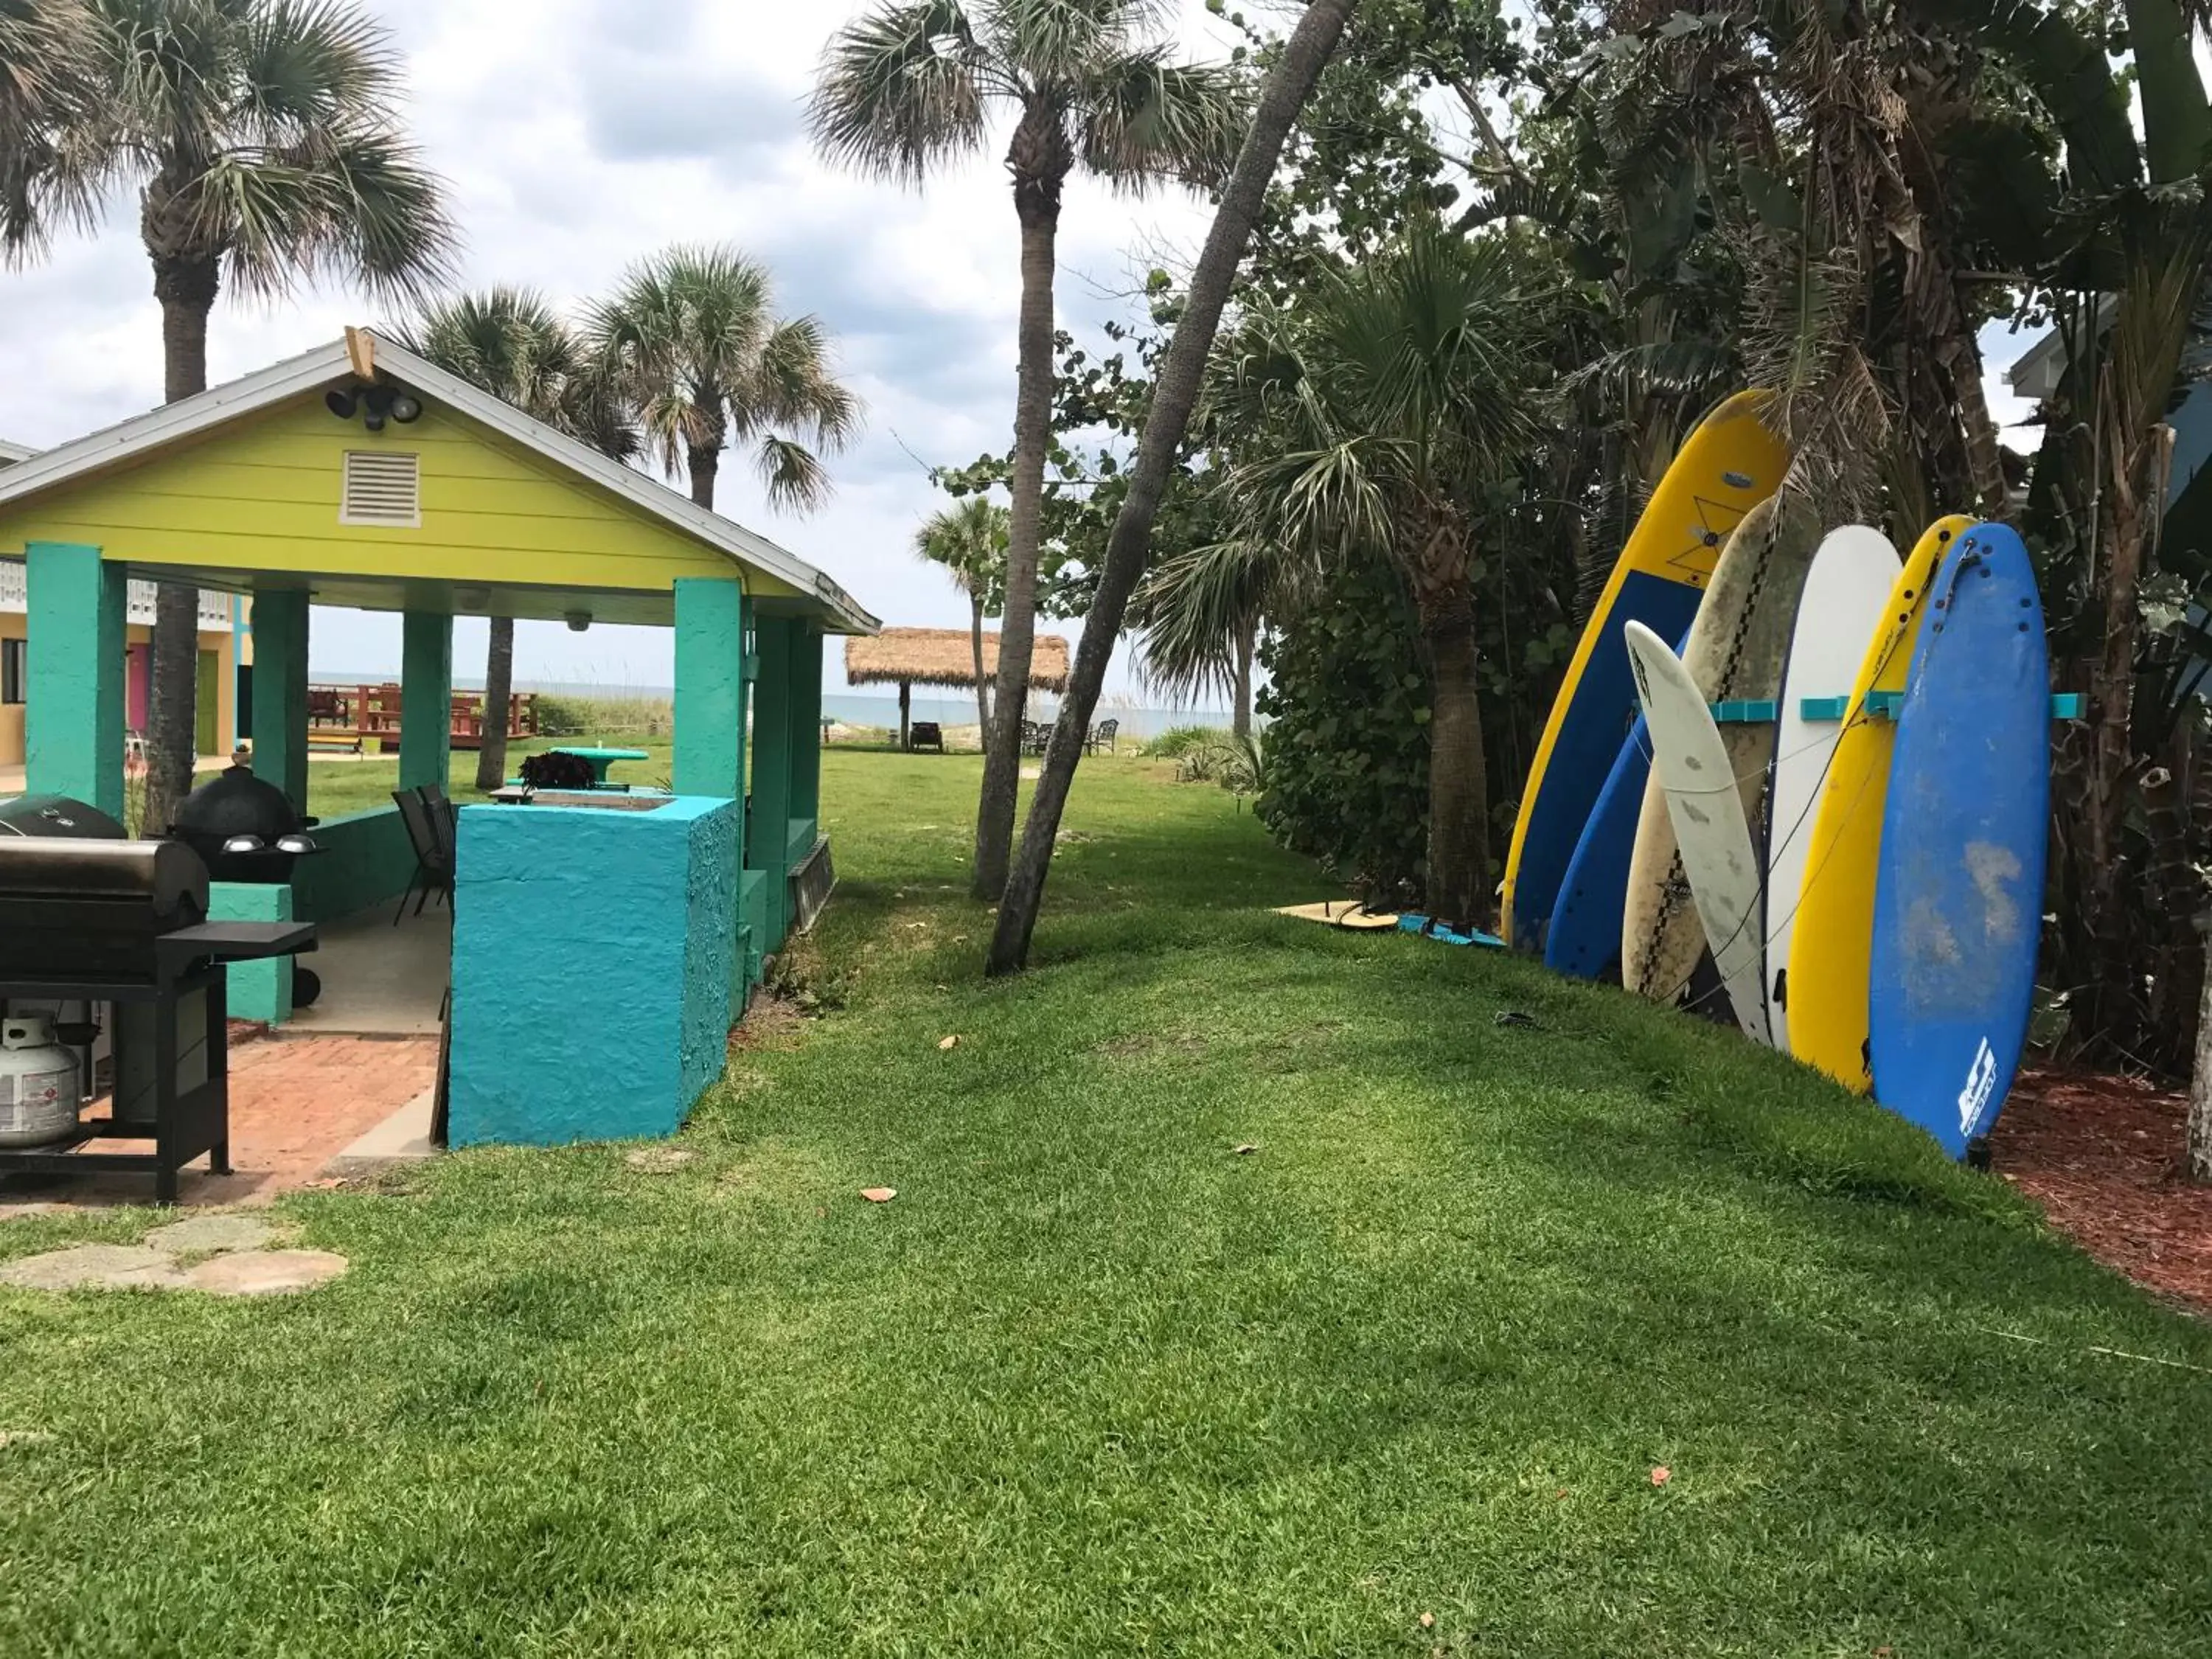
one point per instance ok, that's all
(85, 918)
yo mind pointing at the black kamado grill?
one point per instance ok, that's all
(88, 917)
(246, 830)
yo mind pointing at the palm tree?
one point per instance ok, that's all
(512, 343)
(45, 64)
(1199, 614)
(692, 343)
(910, 88)
(970, 541)
(261, 137)
(1400, 393)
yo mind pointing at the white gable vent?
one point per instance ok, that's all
(382, 486)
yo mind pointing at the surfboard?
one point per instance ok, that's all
(1583, 941)
(1957, 912)
(1834, 930)
(1846, 594)
(1342, 913)
(1726, 467)
(1694, 771)
(1736, 649)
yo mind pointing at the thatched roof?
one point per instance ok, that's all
(945, 656)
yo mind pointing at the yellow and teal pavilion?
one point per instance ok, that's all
(359, 475)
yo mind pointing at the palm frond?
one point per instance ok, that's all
(794, 477)
(900, 90)
(792, 384)
(1191, 610)
(1055, 43)
(356, 206)
(1142, 119)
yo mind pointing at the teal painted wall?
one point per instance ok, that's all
(73, 722)
(710, 720)
(258, 990)
(710, 680)
(365, 860)
(805, 722)
(280, 692)
(591, 982)
(768, 823)
(426, 696)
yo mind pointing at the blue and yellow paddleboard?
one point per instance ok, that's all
(1730, 465)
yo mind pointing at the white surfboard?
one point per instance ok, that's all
(1845, 593)
(1690, 764)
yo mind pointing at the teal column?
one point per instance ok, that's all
(75, 664)
(280, 692)
(767, 824)
(426, 701)
(806, 724)
(710, 688)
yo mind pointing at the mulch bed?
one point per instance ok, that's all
(2105, 1158)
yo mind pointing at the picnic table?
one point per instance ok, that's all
(600, 759)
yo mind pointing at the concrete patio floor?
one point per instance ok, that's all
(380, 980)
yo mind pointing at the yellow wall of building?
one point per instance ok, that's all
(13, 626)
(262, 496)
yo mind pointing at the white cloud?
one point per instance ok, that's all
(593, 133)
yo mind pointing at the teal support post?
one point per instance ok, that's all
(806, 724)
(280, 692)
(258, 990)
(426, 700)
(73, 719)
(710, 726)
(768, 826)
(710, 688)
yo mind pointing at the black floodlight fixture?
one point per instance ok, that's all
(376, 404)
(341, 402)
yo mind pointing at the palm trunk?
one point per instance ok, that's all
(499, 691)
(1459, 783)
(186, 289)
(1289, 84)
(1240, 715)
(700, 462)
(1002, 741)
(982, 685)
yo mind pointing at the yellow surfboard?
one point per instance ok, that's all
(1730, 465)
(1833, 944)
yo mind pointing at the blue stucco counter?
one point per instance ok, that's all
(591, 953)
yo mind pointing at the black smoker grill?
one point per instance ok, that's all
(88, 919)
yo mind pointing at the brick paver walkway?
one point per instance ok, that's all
(296, 1103)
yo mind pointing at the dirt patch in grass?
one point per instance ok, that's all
(2104, 1156)
(772, 1023)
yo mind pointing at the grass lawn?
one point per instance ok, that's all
(1094, 1384)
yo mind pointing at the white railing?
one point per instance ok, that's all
(215, 608)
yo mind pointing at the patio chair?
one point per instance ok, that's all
(1102, 735)
(429, 834)
(1034, 737)
(926, 734)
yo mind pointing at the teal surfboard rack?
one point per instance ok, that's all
(1747, 711)
(1882, 705)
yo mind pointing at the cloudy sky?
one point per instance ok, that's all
(580, 134)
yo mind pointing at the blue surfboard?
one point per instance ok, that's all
(1584, 940)
(1958, 893)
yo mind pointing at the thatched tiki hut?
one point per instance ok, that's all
(908, 657)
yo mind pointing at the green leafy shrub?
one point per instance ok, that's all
(561, 716)
(1179, 740)
(1347, 755)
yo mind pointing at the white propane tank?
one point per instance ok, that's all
(39, 1089)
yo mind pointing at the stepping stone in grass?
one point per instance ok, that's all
(94, 1268)
(264, 1273)
(205, 1235)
